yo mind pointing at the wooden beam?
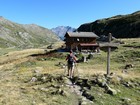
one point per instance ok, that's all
(108, 54)
(108, 46)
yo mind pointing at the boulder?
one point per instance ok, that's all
(88, 95)
(110, 90)
(33, 79)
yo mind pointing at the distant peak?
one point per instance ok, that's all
(1, 17)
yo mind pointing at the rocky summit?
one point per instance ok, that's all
(61, 30)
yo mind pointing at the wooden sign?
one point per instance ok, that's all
(107, 47)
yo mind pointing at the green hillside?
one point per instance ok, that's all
(41, 79)
(24, 36)
(121, 26)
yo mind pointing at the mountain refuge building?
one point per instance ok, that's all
(81, 41)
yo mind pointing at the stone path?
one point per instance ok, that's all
(74, 88)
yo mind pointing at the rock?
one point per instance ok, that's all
(101, 81)
(80, 82)
(60, 91)
(67, 81)
(44, 89)
(43, 79)
(129, 84)
(34, 79)
(88, 95)
(84, 103)
(90, 56)
(128, 66)
(126, 101)
(112, 74)
(110, 90)
(36, 71)
(64, 93)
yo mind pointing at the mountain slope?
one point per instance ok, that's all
(121, 26)
(24, 36)
(61, 30)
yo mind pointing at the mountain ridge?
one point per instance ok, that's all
(24, 35)
(121, 26)
(61, 30)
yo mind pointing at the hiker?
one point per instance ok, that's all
(71, 60)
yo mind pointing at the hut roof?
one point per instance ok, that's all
(81, 34)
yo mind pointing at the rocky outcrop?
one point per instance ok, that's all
(86, 89)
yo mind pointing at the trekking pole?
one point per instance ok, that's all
(65, 69)
(76, 69)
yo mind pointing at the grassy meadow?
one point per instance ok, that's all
(17, 69)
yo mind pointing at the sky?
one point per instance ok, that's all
(53, 13)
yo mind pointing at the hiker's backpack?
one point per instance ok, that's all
(70, 59)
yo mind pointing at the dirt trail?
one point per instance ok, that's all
(10, 65)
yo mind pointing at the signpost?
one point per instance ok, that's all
(108, 47)
(108, 54)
